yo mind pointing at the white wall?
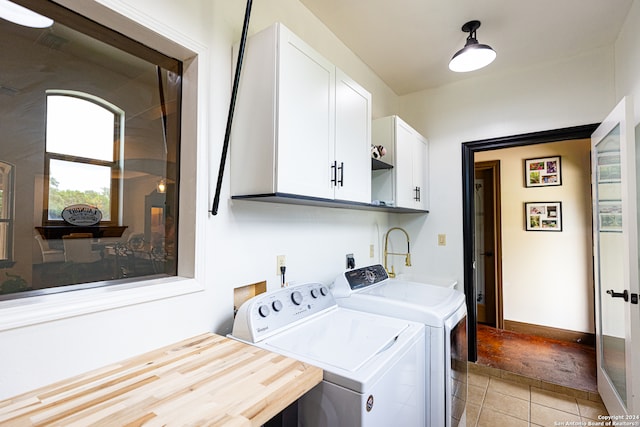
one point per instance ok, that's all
(52, 338)
(575, 91)
(547, 276)
(627, 59)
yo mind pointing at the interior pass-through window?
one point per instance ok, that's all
(89, 156)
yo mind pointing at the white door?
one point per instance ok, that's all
(615, 224)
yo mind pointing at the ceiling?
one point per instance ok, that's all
(408, 43)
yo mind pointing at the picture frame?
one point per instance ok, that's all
(543, 172)
(543, 216)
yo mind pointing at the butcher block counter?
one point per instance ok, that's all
(207, 380)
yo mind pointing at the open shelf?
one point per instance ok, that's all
(294, 199)
(378, 165)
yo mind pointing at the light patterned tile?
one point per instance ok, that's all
(491, 418)
(517, 378)
(554, 400)
(546, 416)
(473, 412)
(591, 410)
(510, 388)
(476, 394)
(595, 397)
(478, 380)
(505, 404)
(484, 370)
(564, 390)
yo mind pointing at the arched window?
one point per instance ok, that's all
(83, 135)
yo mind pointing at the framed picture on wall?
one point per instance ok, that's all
(543, 216)
(542, 172)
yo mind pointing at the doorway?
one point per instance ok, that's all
(488, 248)
(469, 193)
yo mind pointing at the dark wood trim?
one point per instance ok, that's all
(468, 151)
(567, 335)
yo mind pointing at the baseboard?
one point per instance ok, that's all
(585, 338)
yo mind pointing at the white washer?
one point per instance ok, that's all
(373, 365)
(443, 312)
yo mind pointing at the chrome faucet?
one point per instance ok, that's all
(407, 255)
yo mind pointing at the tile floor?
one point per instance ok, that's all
(498, 398)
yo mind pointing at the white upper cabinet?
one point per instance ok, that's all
(406, 185)
(301, 127)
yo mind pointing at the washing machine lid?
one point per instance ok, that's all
(342, 339)
(427, 304)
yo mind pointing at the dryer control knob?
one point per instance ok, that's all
(324, 291)
(276, 305)
(315, 293)
(263, 310)
(296, 297)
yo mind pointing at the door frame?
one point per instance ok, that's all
(468, 209)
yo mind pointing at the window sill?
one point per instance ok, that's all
(46, 308)
(99, 231)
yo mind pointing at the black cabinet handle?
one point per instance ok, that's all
(417, 196)
(341, 169)
(334, 173)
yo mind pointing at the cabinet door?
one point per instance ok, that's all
(306, 119)
(411, 168)
(404, 151)
(353, 140)
(420, 169)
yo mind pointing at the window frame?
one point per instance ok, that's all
(9, 187)
(193, 203)
(116, 165)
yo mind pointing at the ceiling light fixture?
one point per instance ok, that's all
(473, 55)
(23, 16)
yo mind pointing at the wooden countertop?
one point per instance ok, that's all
(205, 380)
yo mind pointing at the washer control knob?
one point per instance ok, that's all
(296, 297)
(263, 310)
(315, 293)
(324, 291)
(276, 305)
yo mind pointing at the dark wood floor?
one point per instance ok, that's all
(559, 362)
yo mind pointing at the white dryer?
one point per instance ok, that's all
(443, 312)
(373, 365)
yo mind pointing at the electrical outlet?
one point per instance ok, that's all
(351, 261)
(281, 261)
(371, 252)
(442, 240)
